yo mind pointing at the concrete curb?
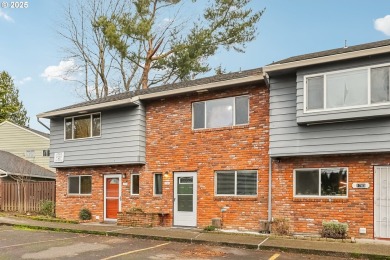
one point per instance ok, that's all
(202, 241)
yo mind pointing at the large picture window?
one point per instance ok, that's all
(236, 183)
(221, 112)
(359, 87)
(85, 126)
(79, 185)
(322, 182)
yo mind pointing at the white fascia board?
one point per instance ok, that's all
(209, 86)
(330, 58)
(75, 110)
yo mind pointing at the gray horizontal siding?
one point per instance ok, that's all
(122, 140)
(287, 138)
(337, 115)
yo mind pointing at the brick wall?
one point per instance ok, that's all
(306, 215)
(139, 219)
(68, 206)
(172, 146)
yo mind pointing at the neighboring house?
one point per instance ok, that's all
(26, 143)
(13, 168)
(196, 151)
(330, 139)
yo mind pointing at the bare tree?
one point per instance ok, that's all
(98, 70)
(123, 45)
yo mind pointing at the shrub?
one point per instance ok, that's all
(280, 226)
(47, 208)
(334, 229)
(209, 228)
(85, 214)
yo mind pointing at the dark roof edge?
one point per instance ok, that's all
(338, 54)
(218, 81)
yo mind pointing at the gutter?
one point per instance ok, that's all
(45, 126)
(203, 87)
(324, 59)
(84, 109)
(3, 174)
(135, 100)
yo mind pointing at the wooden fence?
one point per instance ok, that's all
(32, 194)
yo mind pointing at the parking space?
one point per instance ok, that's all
(33, 244)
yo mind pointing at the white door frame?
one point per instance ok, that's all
(181, 218)
(381, 201)
(110, 176)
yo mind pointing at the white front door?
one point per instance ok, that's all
(382, 202)
(185, 199)
(112, 196)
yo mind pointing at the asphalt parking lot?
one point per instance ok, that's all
(34, 244)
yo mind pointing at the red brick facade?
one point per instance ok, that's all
(306, 215)
(172, 146)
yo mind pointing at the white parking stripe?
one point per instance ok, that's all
(52, 240)
(135, 251)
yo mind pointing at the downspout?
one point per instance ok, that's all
(270, 190)
(45, 126)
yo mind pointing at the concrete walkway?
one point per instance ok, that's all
(362, 248)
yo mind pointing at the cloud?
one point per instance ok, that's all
(62, 71)
(6, 17)
(24, 80)
(383, 24)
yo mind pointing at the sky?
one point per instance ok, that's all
(31, 50)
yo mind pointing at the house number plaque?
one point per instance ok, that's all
(360, 185)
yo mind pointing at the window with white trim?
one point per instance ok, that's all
(157, 184)
(85, 126)
(359, 87)
(236, 183)
(220, 112)
(321, 182)
(134, 184)
(80, 185)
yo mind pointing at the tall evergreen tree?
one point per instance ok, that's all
(10, 107)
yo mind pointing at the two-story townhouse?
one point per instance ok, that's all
(27, 143)
(196, 150)
(330, 139)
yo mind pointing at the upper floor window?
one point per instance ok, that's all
(359, 87)
(221, 112)
(321, 182)
(82, 126)
(46, 153)
(29, 153)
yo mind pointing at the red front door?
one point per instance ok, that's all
(112, 184)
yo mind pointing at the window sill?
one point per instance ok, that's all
(235, 198)
(220, 128)
(134, 196)
(319, 199)
(78, 195)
